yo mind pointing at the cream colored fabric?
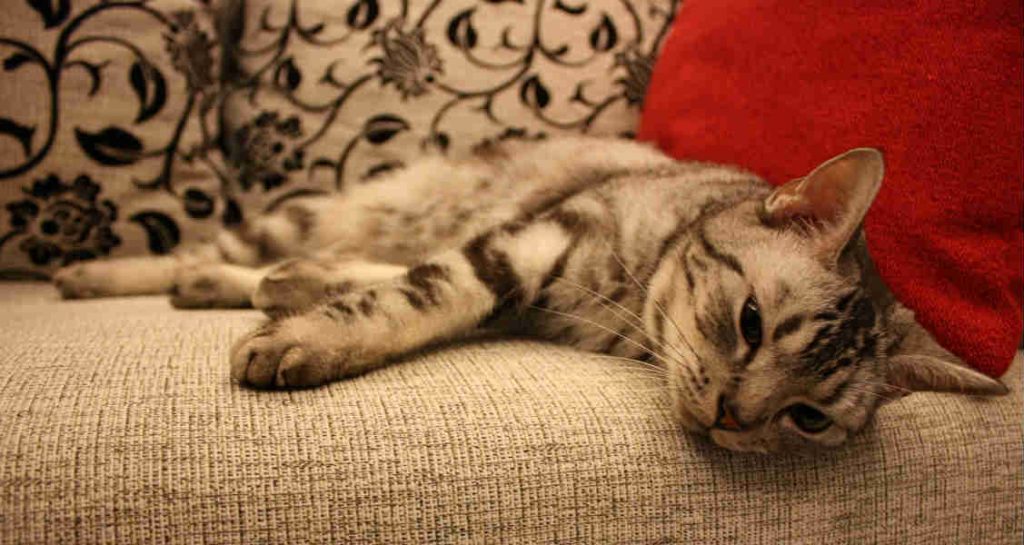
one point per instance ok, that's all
(118, 425)
(120, 101)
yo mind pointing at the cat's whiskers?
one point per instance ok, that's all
(682, 359)
(646, 364)
(664, 358)
(637, 321)
(657, 305)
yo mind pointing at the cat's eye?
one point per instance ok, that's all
(809, 419)
(750, 323)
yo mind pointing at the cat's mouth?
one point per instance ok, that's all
(689, 417)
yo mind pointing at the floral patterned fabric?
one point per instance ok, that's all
(132, 126)
(366, 86)
(108, 129)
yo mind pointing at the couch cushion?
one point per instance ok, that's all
(108, 125)
(120, 426)
(369, 85)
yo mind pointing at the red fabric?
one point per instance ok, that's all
(781, 86)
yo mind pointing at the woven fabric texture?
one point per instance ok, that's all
(118, 424)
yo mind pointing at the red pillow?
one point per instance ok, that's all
(780, 86)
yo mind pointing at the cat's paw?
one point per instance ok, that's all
(209, 286)
(290, 353)
(81, 281)
(291, 287)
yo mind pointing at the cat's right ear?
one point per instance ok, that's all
(829, 204)
(917, 363)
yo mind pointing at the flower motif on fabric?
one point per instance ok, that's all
(265, 150)
(638, 68)
(63, 221)
(408, 61)
(190, 49)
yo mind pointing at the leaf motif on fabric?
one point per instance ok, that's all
(287, 76)
(571, 10)
(533, 93)
(150, 87)
(604, 37)
(460, 30)
(362, 14)
(111, 146)
(162, 233)
(53, 12)
(15, 61)
(383, 127)
(379, 169)
(22, 133)
(198, 204)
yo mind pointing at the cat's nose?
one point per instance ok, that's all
(725, 419)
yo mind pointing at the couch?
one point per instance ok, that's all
(120, 425)
(133, 127)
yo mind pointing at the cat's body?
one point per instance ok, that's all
(761, 305)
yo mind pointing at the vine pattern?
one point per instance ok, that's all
(315, 95)
(57, 222)
(427, 59)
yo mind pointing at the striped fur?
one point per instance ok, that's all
(605, 245)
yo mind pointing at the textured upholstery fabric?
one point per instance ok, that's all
(118, 425)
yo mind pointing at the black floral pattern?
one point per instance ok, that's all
(638, 67)
(63, 222)
(166, 52)
(407, 61)
(450, 75)
(190, 49)
(265, 151)
(295, 97)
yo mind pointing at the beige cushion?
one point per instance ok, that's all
(366, 85)
(136, 97)
(118, 424)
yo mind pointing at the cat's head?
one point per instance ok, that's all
(775, 327)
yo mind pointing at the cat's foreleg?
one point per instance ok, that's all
(299, 284)
(444, 298)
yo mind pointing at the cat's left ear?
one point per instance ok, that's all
(919, 364)
(830, 203)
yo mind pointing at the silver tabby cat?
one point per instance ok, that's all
(760, 305)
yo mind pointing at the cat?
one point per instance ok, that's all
(760, 305)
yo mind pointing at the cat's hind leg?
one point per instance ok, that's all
(215, 285)
(299, 284)
(215, 273)
(117, 277)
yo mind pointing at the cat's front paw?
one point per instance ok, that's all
(289, 353)
(291, 287)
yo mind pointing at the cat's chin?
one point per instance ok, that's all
(738, 442)
(687, 419)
